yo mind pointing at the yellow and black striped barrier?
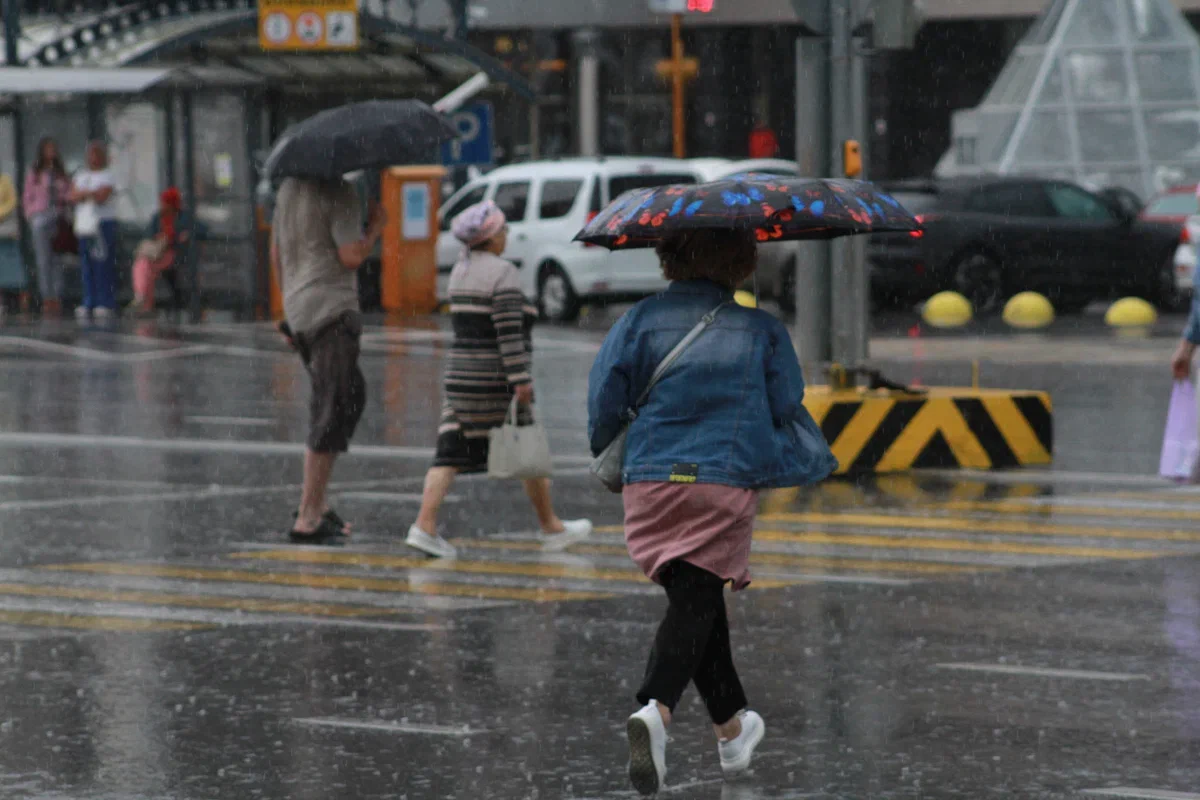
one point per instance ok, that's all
(890, 431)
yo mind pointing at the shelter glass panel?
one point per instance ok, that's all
(137, 152)
(222, 190)
(1097, 77)
(1165, 75)
(1045, 140)
(66, 122)
(1148, 22)
(1173, 135)
(1106, 136)
(1094, 22)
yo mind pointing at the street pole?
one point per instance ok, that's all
(678, 119)
(12, 39)
(587, 59)
(832, 322)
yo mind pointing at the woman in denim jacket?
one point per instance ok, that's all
(724, 421)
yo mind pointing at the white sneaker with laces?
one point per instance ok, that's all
(102, 313)
(736, 753)
(574, 531)
(82, 314)
(435, 546)
(647, 749)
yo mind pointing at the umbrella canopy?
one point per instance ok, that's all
(772, 207)
(377, 133)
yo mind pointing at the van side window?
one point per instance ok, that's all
(460, 205)
(558, 198)
(513, 200)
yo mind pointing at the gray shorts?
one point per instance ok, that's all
(339, 390)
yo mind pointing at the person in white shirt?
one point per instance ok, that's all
(96, 228)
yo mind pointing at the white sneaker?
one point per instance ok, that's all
(100, 312)
(574, 532)
(435, 546)
(647, 749)
(736, 753)
(82, 314)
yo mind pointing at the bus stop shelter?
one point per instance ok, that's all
(185, 95)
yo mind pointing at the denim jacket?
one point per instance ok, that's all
(729, 410)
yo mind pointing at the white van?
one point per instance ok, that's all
(547, 203)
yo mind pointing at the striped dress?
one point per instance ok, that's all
(491, 355)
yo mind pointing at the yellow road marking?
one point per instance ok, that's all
(968, 525)
(190, 601)
(1064, 509)
(962, 545)
(761, 559)
(457, 565)
(318, 581)
(86, 622)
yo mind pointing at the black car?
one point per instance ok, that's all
(990, 238)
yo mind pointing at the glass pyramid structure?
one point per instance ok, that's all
(1102, 92)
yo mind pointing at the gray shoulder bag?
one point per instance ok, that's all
(609, 466)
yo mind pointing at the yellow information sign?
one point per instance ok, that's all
(308, 24)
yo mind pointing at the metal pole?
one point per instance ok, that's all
(678, 118)
(850, 281)
(813, 155)
(12, 33)
(588, 72)
(189, 192)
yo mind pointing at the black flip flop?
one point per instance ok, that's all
(326, 532)
(331, 517)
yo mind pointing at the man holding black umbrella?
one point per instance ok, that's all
(317, 245)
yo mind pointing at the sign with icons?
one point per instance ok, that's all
(308, 24)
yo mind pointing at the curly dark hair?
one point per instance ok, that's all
(726, 257)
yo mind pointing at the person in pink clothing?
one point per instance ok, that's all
(44, 202)
(724, 420)
(169, 230)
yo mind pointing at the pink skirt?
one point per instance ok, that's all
(707, 525)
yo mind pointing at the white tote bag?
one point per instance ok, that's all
(518, 451)
(87, 220)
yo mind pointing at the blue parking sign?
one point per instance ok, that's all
(474, 143)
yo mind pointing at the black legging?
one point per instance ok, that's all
(692, 644)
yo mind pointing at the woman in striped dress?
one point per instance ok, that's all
(489, 364)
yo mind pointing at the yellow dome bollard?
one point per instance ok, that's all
(1131, 312)
(744, 298)
(1028, 311)
(947, 310)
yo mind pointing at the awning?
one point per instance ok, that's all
(126, 80)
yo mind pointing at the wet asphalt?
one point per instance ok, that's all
(1018, 634)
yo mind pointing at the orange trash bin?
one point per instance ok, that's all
(411, 197)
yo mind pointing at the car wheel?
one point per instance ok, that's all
(979, 278)
(557, 299)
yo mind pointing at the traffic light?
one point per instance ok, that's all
(851, 158)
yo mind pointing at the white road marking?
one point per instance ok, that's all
(1141, 794)
(200, 616)
(1045, 672)
(91, 354)
(240, 447)
(393, 727)
(385, 601)
(248, 421)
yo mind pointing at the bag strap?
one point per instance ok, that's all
(672, 356)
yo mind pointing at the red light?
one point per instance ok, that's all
(700, 6)
(919, 233)
(1185, 236)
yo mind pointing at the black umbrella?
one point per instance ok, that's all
(771, 207)
(377, 133)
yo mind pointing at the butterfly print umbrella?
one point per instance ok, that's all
(773, 208)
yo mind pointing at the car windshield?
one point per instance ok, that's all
(620, 184)
(1176, 204)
